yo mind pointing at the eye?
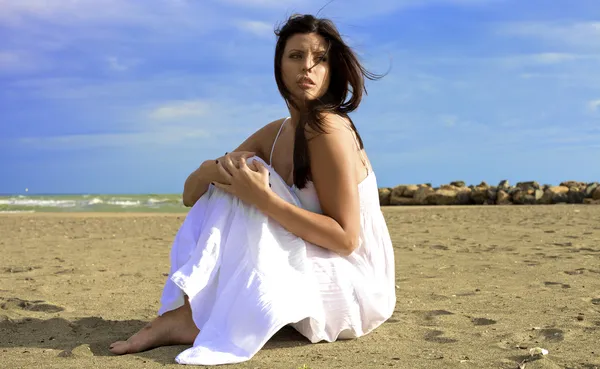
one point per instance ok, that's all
(295, 56)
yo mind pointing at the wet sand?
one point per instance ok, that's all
(477, 287)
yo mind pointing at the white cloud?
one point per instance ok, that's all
(347, 9)
(576, 34)
(449, 120)
(69, 11)
(258, 28)
(594, 105)
(543, 59)
(113, 140)
(120, 64)
(277, 4)
(180, 109)
(12, 61)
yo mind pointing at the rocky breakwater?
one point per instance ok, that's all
(523, 193)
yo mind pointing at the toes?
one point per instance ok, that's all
(118, 348)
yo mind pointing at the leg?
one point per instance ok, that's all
(175, 327)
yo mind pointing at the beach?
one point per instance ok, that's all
(477, 287)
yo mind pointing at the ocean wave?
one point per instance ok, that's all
(89, 202)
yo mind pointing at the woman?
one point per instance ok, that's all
(290, 231)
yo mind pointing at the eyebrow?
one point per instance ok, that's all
(316, 52)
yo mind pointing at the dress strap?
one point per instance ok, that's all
(362, 157)
(274, 142)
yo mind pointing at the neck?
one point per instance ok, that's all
(294, 116)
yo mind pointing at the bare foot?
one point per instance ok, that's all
(175, 327)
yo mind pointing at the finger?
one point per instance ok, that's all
(261, 167)
(224, 172)
(228, 164)
(242, 164)
(222, 186)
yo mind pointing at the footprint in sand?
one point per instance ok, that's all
(564, 285)
(575, 272)
(430, 315)
(20, 269)
(483, 321)
(37, 305)
(552, 334)
(434, 336)
(439, 247)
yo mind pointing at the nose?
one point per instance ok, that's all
(308, 64)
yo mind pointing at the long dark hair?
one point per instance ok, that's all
(347, 76)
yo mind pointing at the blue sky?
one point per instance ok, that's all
(129, 96)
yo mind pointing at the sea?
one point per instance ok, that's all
(91, 203)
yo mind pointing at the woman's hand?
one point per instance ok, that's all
(249, 183)
(236, 156)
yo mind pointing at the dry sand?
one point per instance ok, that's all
(477, 287)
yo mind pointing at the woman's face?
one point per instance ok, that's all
(304, 79)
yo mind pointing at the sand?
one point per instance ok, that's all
(477, 287)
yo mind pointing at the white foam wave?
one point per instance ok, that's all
(39, 202)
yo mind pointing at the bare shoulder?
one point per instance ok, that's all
(262, 139)
(334, 125)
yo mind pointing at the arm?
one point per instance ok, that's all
(333, 166)
(198, 181)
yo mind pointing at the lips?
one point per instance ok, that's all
(306, 81)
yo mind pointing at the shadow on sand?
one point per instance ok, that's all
(65, 335)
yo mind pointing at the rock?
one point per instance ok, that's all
(410, 190)
(533, 185)
(82, 351)
(523, 198)
(555, 195)
(464, 196)
(591, 202)
(398, 191)
(504, 185)
(79, 351)
(575, 196)
(518, 196)
(589, 190)
(502, 198)
(450, 187)
(596, 194)
(492, 193)
(384, 196)
(421, 195)
(442, 197)
(483, 184)
(580, 185)
(459, 184)
(479, 195)
(403, 201)
(538, 194)
(512, 190)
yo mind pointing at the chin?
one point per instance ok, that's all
(307, 95)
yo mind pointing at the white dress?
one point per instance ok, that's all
(246, 276)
